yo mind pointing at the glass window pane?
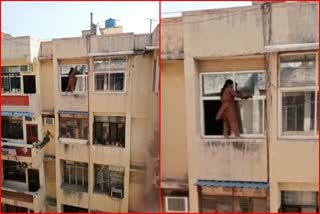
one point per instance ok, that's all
(116, 81)
(251, 83)
(259, 205)
(100, 81)
(298, 113)
(224, 205)
(118, 64)
(242, 205)
(208, 204)
(101, 65)
(212, 83)
(250, 114)
(297, 71)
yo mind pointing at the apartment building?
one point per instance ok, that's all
(91, 150)
(271, 52)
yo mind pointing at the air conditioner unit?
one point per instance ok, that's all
(25, 68)
(116, 192)
(48, 121)
(176, 204)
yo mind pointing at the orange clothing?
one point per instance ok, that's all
(72, 81)
(228, 112)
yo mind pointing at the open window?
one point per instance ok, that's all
(75, 176)
(73, 126)
(29, 84)
(298, 95)
(14, 171)
(73, 209)
(109, 74)
(11, 82)
(251, 112)
(12, 127)
(109, 180)
(109, 130)
(81, 78)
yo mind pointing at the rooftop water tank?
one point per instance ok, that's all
(111, 23)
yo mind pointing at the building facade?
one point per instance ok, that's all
(271, 52)
(91, 150)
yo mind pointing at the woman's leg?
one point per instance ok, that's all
(226, 128)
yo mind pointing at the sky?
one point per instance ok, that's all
(47, 20)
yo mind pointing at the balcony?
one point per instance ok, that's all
(20, 151)
(31, 200)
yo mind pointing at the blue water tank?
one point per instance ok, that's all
(110, 23)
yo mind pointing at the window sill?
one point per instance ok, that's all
(106, 194)
(298, 137)
(111, 146)
(74, 188)
(73, 93)
(12, 94)
(242, 137)
(73, 141)
(109, 92)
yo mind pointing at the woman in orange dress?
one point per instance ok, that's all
(72, 79)
(228, 109)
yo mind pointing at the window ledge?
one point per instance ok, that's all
(233, 140)
(73, 141)
(73, 94)
(110, 146)
(298, 137)
(106, 194)
(74, 188)
(109, 93)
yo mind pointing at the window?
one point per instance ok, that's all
(12, 127)
(76, 175)
(251, 112)
(109, 130)
(294, 201)
(13, 171)
(29, 84)
(155, 80)
(298, 92)
(11, 79)
(72, 209)
(7, 208)
(108, 179)
(109, 74)
(81, 85)
(73, 126)
(233, 204)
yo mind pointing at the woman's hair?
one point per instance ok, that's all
(71, 69)
(226, 84)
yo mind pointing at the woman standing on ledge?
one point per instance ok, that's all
(228, 111)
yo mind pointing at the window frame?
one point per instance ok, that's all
(75, 165)
(74, 117)
(14, 119)
(20, 75)
(108, 116)
(107, 169)
(282, 90)
(254, 97)
(83, 76)
(108, 72)
(155, 76)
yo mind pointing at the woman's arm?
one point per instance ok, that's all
(239, 94)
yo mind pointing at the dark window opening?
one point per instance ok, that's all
(211, 125)
(76, 176)
(13, 171)
(33, 180)
(64, 83)
(32, 133)
(72, 209)
(12, 127)
(7, 208)
(29, 84)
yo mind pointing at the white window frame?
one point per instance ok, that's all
(84, 78)
(76, 165)
(254, 97)
(282, 90)
(20, 77)
(108, 72)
